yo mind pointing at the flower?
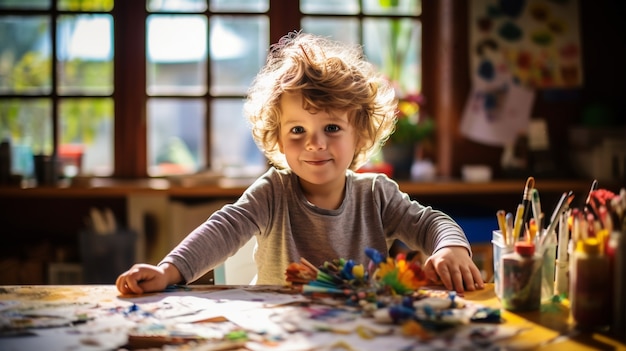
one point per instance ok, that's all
(411, 125)
(400, 275)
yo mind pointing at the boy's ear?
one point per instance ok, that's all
(280, 146)
(359, 143)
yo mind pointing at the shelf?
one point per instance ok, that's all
(116, 188)
(494, 187)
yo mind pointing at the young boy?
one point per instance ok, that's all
(318, 110)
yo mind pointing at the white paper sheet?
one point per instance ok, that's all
(496, 113)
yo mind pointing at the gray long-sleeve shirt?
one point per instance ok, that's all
(373, 213)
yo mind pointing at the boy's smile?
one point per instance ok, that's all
(322, 162)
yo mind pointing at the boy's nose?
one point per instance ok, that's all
(316, 141)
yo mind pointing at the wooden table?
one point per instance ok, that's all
(99, 318)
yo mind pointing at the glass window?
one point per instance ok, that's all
(176, 66)
(28, 122)
(28, 125)
(392, 43)
(25, 50)
(176, 136)
(239, 5)
(392, 7)
(238, 50)
(177, 139)
(25, 4)
(35, 106)
(194, 61)
(346, 7)
(85, 54)
(176, 6)
(86, 137)
(342, 29)
(85, 5)
(394, 46)
(233, 148)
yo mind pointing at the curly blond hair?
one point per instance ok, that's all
(331, 76)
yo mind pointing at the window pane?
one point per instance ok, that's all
(346, 7)
(395, 7)
(25, 4)
(25, 52)
(232, 146)
(86, 128)
(394, 45)
(176, 6)
(342, 29)
(85, 5)
(238, 50)
(28, 122)
(176, 136)
(240, 5)
(176, 66)
(85, 54)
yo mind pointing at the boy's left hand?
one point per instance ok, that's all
(454, 267)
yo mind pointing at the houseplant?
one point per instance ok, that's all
(411, 131)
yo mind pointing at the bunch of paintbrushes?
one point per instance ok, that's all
(337, 277)
(521, 225)
(528, 221)
(398, 275)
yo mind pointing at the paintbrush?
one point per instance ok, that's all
(530, 184)
(536, 206)
(561, 207)
(588, 205)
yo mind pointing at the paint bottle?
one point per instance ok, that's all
(616, 251)
(590, 286)
(521, 278)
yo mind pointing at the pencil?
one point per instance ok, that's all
(509, 228)
(518, 226)
(501, 216)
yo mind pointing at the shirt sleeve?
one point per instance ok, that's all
(419, 227)
(223, 233)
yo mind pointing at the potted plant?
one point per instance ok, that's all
(412, 129)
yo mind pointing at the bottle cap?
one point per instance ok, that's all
(591, 246)
(525, 248)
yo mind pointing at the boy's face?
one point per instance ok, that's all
(319, 147)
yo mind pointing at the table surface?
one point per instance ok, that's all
(97, 317)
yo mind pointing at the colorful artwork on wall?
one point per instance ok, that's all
(536, 42)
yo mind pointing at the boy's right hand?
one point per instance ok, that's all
(142, 278)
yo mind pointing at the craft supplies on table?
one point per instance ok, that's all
(205, 317)
(583, 256)
(212, 317)
(590, 286)
(521, 278)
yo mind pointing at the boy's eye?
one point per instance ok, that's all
(332, 128)
(297, 130)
